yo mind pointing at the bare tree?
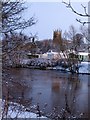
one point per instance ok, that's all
(65, 35)
(15, 48)
(72, 48)
(11, 22)
(11, 48)
(72, 32)
(85, 14)
(84, 31)
(73, 36)
(11, 17)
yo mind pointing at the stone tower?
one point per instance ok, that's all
(57, 40)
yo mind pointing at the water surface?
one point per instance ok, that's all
(49, 87)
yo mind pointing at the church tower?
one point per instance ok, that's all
(57, 40)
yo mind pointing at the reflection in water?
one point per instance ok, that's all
(51, 87)
(55, 87)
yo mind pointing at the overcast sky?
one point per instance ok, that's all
(51, 16)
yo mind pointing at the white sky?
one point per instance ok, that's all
(51, 16)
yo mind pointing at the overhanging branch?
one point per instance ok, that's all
(85, 14)
(68, 5)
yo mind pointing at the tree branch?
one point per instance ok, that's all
(85, 22)
(12, 19)
(85, 10)
(68, 5)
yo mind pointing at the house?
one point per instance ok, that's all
(84, 56)
(50, 55)
(54, 55)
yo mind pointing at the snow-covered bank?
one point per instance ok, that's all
(16, 110)
(84, 68)
(40, 63)
(0, 109)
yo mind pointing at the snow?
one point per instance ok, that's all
(24, 61)
(16, 110)
(83, 53)
(84, 67)
(0, 109)
(22, 114)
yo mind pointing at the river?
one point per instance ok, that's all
(48, 88)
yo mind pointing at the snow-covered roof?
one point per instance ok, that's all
(51, 52)
(83, 53)
(28, 53)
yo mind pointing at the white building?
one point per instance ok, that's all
(50, 55)
(53, 55)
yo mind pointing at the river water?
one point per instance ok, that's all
(49, 88)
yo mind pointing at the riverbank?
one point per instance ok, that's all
(46, 64)
(16, 110)
(54, 84)
(84, 67)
